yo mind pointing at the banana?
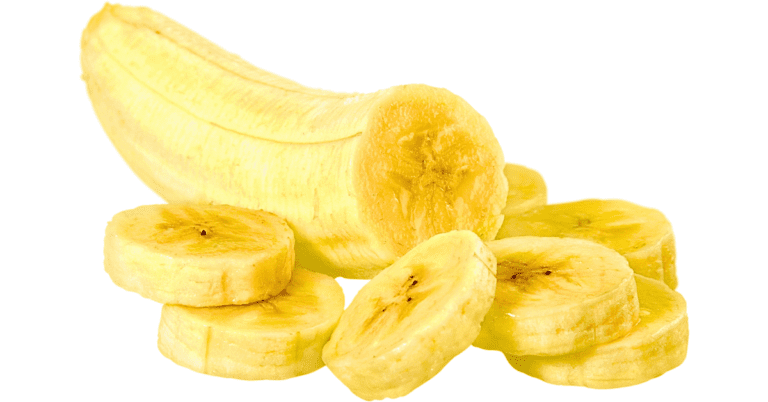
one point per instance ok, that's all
(199, 255)
(274, 339)
(656, 345)
(409, 321)
(556, 296)
(361, 178)
(527, 189)
(642, 235)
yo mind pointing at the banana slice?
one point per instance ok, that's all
(361, 178)
(199, 255)
(642, 235)
(557, 296)
(527, 189)
(656, 345)
(275, 339)
(409, 321)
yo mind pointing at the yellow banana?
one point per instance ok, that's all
(361, 178)
(527, 189)
(274, 339)
(199, 255)
(656, 345)
(556, 296)
(409, 321)
(642, 235)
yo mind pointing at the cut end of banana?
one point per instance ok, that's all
(409, 321)
(642, 235)
(556, 296)
(657, 344)
(199, 255)
(527, 189)
(427, 164)
(275, 339)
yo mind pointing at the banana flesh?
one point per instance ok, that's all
(361, 178)
(642, 235)
(199, 255)
(656, 345)
(556, 296)
(527, 189)
(409, 321)
(278, 338)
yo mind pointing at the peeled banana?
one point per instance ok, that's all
(409, 321)
(642, 235)
(556, 296)
(527, 189)
(656, 345)
(361, 178)
(199, 255)
(275, 339)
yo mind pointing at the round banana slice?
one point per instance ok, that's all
(527, 189)
(656, 345)
(199, 255)
(557, 296)
(642, 235)
(274, 339)
(409, 321)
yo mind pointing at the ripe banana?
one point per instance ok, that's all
(527, 189)
(642, 235)
(409, 321)
(199, 255)
(361, 178)
(278, 338)
(656, 345)
(556, 296)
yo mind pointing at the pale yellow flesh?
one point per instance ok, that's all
(527, 189)
(642, 235)
(199, 255)
(279, 338)
(656, 345)
(361, 178)
(556, 296)
(425, 170)
(409, 321)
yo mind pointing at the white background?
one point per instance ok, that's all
(663, 103)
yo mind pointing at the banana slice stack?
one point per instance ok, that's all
(572, 312)
(235, 306)
(657, 344)
(568, 309)
(405, 186)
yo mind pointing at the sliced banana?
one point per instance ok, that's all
(557, 296)
(278, 338)
(199, 255)
(656, 345)
(527, 189)
(361, 178)
(642, 235)
(410, 320)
